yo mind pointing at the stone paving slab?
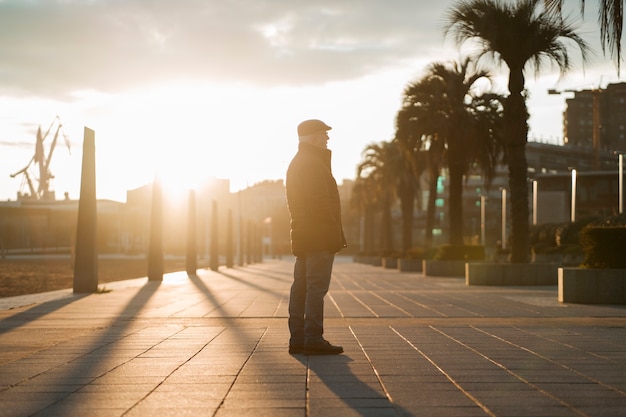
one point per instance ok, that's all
(215, 344)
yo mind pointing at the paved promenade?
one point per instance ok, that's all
(216, 345)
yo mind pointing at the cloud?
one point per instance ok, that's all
(56, 47)
(16, 144)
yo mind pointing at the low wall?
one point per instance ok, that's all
(410, 265)
(434, 268)
(390, 263)
(592, 286)
(503, 274)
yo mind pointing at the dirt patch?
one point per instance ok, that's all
(29, 276)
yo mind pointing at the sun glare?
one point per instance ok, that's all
(188, 134)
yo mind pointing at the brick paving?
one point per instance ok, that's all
(216, 345)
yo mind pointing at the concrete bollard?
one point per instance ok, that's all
(155, 250)
(86, 259)
(229, 241)
(214, 261)
(192, 259)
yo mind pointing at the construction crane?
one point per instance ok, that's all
(42, 161)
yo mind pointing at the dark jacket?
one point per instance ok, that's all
(313, 201)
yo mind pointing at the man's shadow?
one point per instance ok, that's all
(353, 384)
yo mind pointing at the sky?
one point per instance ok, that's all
(195, 89)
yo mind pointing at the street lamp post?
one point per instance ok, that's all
(483, 200)
(621, 183)
(573, 212)
(534, 202)
(503, 244)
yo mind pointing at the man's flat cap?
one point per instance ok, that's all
(312, 126)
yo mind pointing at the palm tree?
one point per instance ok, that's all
(418, 122)
(486, 129)
(452, 116)
(407, 187)
(517, 34)
(408, 182)
(461, 144)
(382, 163)
(363, 201)
(611, 20)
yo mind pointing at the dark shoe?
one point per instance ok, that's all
(322, 348)
(295, 349)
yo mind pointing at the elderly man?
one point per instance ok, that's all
(316, 236)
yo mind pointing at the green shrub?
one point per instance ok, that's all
(460, 252)
(613, 220)
(550, 238)
(604, 246)
(420, 252)
(543, 237)
(569, 233)
(389, 254)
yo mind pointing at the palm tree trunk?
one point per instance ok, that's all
(368, 232)
(430, 206)
(455, 203)
(516, 132)
(407, 199)
(386, 228)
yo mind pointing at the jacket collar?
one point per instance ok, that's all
(307, 147)
(321, 153)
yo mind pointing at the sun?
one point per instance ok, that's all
(187, 134)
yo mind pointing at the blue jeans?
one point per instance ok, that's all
(311, 279)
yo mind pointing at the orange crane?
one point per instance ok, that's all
(43, 192)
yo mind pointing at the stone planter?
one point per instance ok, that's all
(572, 259)
(550, 258)
(564, 259)
(409, 265)
(376, 261)
(360, 259)
(592, 286)
(433, 268)
(504, 274)
(390, 263)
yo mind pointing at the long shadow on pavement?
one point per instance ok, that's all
(200, 285)
(277, 276)
(333, 384)
(99, 358)
(40, 310)
(250, 284)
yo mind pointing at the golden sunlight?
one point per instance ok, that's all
(185, 134)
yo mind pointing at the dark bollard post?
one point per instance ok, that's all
(240, 231)
(248, 242)
(229, 241)
(192, 261)
(241, 242)
(254, 247)
(214, 261)
(254, 244)
(86, 260)
(259, 244)
(155, 251)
